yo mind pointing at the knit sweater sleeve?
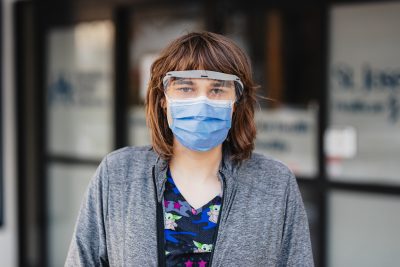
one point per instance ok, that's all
(88, 244)
(296, 244)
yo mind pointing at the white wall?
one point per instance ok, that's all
(8, 232)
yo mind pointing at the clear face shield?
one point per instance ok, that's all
(194, 84)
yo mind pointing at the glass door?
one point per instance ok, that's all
(362, 142)
(79, 119)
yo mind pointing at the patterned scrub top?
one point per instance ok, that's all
(188, 232)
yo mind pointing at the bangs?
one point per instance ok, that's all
(201, 54)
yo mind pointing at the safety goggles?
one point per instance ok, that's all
(189, 84)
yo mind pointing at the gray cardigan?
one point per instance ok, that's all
(262, 218)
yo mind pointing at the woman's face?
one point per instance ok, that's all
(181, 89)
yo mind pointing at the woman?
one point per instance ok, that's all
(198, 196)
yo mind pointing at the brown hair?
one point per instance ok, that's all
(208, 51)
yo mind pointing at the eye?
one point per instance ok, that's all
(185, 89)
(217, 91)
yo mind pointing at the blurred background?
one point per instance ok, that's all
(73, 81)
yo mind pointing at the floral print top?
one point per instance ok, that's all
(188, 232)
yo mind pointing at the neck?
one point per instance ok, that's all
(200, 166)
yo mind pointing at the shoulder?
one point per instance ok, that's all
(267, 164)
(266, 173)
(130, 155)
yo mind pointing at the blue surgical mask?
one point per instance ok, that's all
(200, 123)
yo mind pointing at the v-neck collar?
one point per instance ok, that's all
(215, 199)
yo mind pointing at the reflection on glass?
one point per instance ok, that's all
(289, 135)
(287, 123)
(363, 230)
(152, 30)
(236, 28)
(138, 132)
(364, 94)
(79, 90)
(66, 187)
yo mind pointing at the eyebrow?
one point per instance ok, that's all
(186, 81)
(183, 81)
(218, 84)
(222, 84)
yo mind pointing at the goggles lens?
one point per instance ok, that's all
(187, 88)
(182, 85)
